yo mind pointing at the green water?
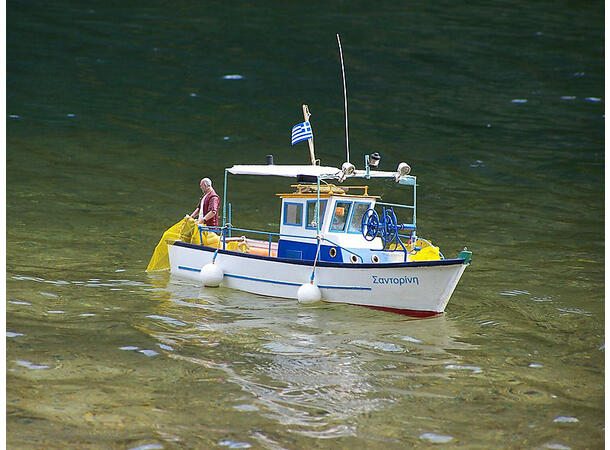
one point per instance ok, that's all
(116, 110)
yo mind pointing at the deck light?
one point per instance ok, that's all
(374, 160)
(402, 170)
(347, 169)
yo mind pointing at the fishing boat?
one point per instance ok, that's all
(338, 242)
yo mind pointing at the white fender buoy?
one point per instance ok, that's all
(309, 293)
(211, 275)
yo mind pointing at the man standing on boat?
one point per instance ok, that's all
(206, 212)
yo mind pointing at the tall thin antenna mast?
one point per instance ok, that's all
(344, 97)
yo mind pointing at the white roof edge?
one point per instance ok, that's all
(324, 172)
(285, 170)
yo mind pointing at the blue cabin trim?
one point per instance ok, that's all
(306, 251)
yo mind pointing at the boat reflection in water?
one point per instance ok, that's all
(314, 368)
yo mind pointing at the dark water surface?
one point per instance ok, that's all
(117, 109)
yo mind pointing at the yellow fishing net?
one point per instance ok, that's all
(428, 251)
(186, 231)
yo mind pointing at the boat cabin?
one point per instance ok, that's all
(320, 221)
(336, 214)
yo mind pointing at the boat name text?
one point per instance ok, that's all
(395, 280)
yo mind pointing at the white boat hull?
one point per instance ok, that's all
(415, 288)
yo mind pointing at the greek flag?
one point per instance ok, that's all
(301, 132)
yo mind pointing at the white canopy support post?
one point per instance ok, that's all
(312, 155)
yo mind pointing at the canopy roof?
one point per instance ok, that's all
(285, 171)
(323, 172)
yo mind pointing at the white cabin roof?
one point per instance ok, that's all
(323, 172)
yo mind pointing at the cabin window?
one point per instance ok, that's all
(293, 214)
(355, 225)
(311, 213)
(342, 210)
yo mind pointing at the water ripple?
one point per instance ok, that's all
(514, 292)
(287, 349)
(12, 334)
(378, 345)
(556, 446)
(234, 444)
(147, 447)
(541, 299)
(411, 339)
(474, 369)
(92, 282)
(574, 311)
(30, 365)
(436, 438)
(565, 419)
(248, 408)
(167, 320)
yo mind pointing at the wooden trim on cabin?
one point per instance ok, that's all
(326, 191)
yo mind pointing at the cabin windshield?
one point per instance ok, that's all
(340, 216)
(312, 206)
(355, 225)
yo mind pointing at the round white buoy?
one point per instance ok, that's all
(309, 293)
(211, 275)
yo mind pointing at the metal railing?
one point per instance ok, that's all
(228, 229)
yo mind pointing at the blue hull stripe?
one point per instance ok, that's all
(262, 280)
(354, 288)
(284, 283)
(190, 269)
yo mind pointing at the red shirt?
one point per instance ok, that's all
(211, 202)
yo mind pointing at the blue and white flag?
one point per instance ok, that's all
(301, 132)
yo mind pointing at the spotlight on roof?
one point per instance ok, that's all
(347, 169)
(374, 160)
(402, 170)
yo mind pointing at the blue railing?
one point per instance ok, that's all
(223, 231)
